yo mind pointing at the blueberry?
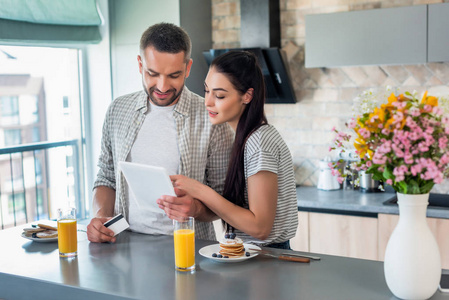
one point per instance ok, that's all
(34, 235)
(232, 236)
(227, 236)
(225, 256)
(247, 254)
(34, 225)
(220, 256)
(214, 254)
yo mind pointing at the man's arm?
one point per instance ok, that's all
(103, 206)
(103, 202)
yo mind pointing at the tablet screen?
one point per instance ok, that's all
(147, 183)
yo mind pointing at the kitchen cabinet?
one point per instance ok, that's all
(333, 234)
(438, 33)
(400, 35)
(439, 227)
(301, 240)
(367, 37)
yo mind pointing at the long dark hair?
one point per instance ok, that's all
(243, 71)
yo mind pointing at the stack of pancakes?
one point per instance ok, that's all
(232, 247)
(42, 231)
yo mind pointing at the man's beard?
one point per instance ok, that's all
(166, 102)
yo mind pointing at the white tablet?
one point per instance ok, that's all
(147, 183)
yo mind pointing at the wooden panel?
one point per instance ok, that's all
(387, 223)
(439, 227)
(301, 240)
(343, 235)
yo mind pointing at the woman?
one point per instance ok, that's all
(259, 198)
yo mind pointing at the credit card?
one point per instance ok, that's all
(117, 224)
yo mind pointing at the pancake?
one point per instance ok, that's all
(232, 247)
(45, 226)
(47, 234)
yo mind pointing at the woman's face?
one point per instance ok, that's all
(223, 102)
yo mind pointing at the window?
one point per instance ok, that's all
(16, 204)
(9, 108)
(12, 137)
(40, 109)
(36, 135)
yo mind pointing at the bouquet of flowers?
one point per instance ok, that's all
(404, 142)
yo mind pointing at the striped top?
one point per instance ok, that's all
(265, 150)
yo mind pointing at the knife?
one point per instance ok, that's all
(282, 256)
(302, 255)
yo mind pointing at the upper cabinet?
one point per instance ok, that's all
(438, 33)
(402, 35)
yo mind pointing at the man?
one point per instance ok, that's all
(163, 125)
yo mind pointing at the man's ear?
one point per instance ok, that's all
(139, 61)
(248, 96)
(188, 67)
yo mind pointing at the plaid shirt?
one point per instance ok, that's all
(204, 148)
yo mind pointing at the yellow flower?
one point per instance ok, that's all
(362, 148)
(431, 100)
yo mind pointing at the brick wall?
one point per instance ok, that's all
(324, 95)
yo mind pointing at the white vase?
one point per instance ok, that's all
(412, 263)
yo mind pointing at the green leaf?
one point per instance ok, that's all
(413, 187)
(402, 187)
(427, 187)
(388, 173)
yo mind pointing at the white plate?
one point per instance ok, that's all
(39, 239)
(211, 249)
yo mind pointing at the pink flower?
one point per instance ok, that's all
(442, 142)
(352, 123)
(415, 146)
(364, 133)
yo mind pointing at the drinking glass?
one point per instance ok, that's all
(184, 240)
(67, 235)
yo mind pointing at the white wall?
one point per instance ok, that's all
(129, 19)
(97, 96)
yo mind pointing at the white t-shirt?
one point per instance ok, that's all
(156, 144)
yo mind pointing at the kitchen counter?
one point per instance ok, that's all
(353, 202)
(141, 266)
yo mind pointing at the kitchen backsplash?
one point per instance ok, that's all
(325, 95)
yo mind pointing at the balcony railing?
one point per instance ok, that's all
(36, 179)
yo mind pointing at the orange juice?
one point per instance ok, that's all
(67, 240)
(184, 248)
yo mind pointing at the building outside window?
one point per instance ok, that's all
(9, 110)
(33, 81)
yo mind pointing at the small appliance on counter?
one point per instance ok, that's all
(368, 184)
(327, 181)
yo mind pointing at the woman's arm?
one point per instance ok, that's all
(258, 220)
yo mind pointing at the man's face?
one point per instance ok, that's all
(163, 75)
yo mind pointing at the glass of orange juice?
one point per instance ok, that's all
(67, 238)
(184, 240)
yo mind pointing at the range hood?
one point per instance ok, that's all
(260, 33)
